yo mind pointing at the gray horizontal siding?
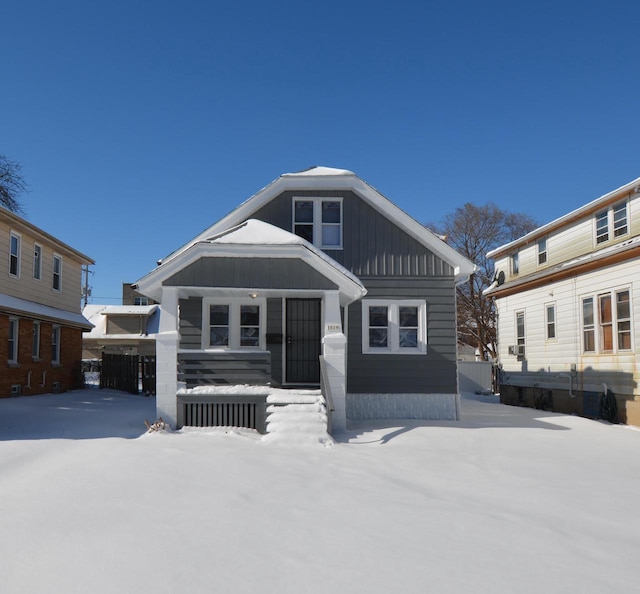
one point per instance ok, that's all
(434, 372)
(372, 244)
(204, 368)
(263, 273)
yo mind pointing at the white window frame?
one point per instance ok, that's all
(35, 341)
(317, 219)
(15, 256)
(235, 305)
(608, 224)
(37, 261)
(393, 336)
(542, 251)
(13, 339)
(521, 337)
(550, 322)
(56, 336)
(56, 258)
(141, 301)
(595, 329)
(514, 258)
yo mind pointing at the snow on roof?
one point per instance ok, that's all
(259, 233)
(97, 315)
(319, 170)
(39, 310)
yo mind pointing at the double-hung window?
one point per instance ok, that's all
(319, 221)
(13, 340)
(542, 251)
(55, 345)
(37, 261)
(520, 334)
(35, 341)
(57, 273)
(233, 324)
(515, 264)
(606, 322)
(550, 320)
(612, 222)
(14, 254)
(394, 326)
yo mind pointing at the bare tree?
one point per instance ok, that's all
(11, 185)
(475, 230)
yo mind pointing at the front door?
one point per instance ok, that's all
(303, 341)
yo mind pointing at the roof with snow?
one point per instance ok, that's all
(254, 238)
(328, 178)
(97, 315)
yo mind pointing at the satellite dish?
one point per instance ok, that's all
(500, 278)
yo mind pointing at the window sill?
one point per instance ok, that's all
(390, 352)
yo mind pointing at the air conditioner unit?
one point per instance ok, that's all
(16, 390)
(517, 350)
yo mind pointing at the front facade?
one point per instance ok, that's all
(41, 323)
(316, 266)
(568, 303)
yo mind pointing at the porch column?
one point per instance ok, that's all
(334, 344)
(167, 358)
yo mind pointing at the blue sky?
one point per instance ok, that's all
(138, 124)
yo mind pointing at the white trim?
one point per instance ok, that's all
(13, 341)
(345, 181)
(39, 261)
(234, 323)
(18, 256)
(317, 223)
(53, 272)
(393, 336)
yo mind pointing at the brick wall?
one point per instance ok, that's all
(37, 376)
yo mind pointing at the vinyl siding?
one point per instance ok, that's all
(40, 291)
(264, 273)
(557, 356)
(372, 244)
(433, 372)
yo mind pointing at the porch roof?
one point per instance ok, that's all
(255, 239)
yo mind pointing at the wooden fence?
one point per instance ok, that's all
(129, 373)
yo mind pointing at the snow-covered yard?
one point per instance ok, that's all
(508, 500)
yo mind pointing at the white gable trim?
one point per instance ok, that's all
(340, 180)
(349, 287)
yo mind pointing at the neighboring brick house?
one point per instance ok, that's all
(41, 322)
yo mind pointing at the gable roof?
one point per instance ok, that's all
(327, 178)
(587, 210)
(253, 238)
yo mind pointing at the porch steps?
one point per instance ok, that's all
(297, 417)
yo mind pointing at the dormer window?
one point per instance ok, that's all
(613, 220)
(319, 221)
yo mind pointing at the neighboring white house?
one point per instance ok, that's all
(568, 305)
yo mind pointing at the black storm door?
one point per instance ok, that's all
(303, 341)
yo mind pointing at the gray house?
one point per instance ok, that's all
(316, 277)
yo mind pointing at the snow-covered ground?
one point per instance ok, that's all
(508, 500)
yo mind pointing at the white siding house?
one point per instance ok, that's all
(568, 303)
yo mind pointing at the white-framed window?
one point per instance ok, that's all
(319, 221)
(542, 251)
(606, 322)
(37, 261)
(234, 324)
(612, 222)
(515, 263)
(57, 273)
(550, 321)
(35, 341)
(55, 345)
(13, 340)
(398, 327)
(141, 301)
(14, 253)
(521, 337)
